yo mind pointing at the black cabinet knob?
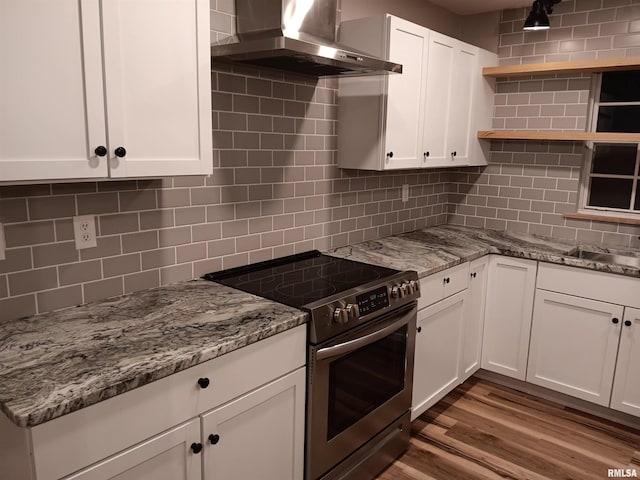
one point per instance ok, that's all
(214, 438)
(473, 275)
(419, 329)
(426, 154)
(447, 280)
(615, 320)
(390, 154)
(196, 447)
(627, 323)
(120, 152)
(101, 151)
(454, 153)
(203, 382)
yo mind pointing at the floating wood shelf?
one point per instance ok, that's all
(559, 136)
(577, 66)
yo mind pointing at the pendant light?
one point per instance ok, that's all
(538, 19)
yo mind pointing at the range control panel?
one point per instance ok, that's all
(373, 300)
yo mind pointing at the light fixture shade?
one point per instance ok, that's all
(537, 19)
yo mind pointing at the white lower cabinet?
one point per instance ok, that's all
(438, 352)
(626, 384)
(168, 456)
(253, 398)
(474, 317)
(574, 344)
(259, 435)
(507, 322)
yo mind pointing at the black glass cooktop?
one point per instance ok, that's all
(298, 280)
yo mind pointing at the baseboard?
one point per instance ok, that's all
(561, 398)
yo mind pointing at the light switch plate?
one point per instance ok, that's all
(3, 243)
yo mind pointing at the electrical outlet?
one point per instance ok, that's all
(3, 244)
(405, 192)
(84, 230)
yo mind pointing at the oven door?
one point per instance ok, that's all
(359, 383)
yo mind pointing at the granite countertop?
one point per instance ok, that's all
(55, 363)
(437, 248)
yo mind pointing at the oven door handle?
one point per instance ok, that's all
(360, 342)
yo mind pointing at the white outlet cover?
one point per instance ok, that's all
(3, 243)
(84, 230)
(405, 192)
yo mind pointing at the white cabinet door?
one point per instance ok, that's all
(259, 435)
(157, 76)
(507, 322)
(442, 53)
(626, 384)
(436, 368)
(380, 117)
(51, 91)
(474, 317)
(403, 132)
(465, 65)
(168, 456)
(451, 86)
(574, 343)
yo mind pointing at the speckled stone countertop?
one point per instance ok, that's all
(56, 363)
(438, 248)
(53, 364)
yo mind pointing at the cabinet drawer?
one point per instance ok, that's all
(443, 284)
(73, 441)
(606, 287)
(456, 279)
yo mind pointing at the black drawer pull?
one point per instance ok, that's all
(203, 382)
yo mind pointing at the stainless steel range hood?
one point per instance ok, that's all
(295, 35)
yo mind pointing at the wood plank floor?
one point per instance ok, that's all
(486, 431)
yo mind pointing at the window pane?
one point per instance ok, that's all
(619, 119)
(610, 192)
(617, 159)
(620, 87)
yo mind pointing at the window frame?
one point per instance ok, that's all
(586, 175)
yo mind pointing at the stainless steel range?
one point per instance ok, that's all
(360, 356)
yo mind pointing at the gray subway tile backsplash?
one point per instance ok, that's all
(276, 189)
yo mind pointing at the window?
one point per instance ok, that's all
(611, 178)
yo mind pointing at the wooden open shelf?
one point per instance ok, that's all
(576, 66)
(559, 136)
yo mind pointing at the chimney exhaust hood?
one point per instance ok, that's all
(297, 36)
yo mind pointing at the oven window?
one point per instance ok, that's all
(363, 380)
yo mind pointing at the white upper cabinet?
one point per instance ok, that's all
(403, 124)
(104, 89)
(380, 117)
(425, 117)
(449, 99)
